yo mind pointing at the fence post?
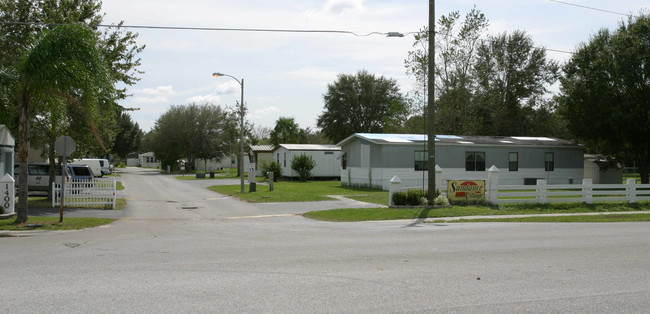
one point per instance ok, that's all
(439, 179)
(493, 184)
(541, 191)
(114, 192)
(587, 191)
(631, 190)
(395, 184)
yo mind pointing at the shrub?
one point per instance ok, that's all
(413, 198)
(303, 165)
(409, 198)
(271, 167)
(441, 200)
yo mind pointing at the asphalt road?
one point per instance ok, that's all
(181, 248)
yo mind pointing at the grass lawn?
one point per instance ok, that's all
(52, 223)
(292, 191)
(364, 214)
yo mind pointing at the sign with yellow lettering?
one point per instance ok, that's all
(466, 189)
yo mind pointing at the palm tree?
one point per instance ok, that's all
(64, 66)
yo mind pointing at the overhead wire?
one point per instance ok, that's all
(226, 29)
(590, 8)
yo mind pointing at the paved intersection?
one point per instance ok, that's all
(181, 248)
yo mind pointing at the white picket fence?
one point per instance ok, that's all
(95, 192)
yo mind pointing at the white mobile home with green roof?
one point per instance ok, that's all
(369, 159)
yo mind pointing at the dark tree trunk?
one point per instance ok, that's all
(23, 157)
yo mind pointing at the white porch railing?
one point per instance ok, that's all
(95, 192)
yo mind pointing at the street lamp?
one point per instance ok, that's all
(241, 125)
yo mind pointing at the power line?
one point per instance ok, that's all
(187, 28)
(590, 8)
(266, 30)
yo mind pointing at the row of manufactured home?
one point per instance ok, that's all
(370, 159)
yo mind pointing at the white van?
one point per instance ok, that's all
(93, 164)
(38, 176)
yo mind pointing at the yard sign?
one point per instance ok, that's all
(466, 189)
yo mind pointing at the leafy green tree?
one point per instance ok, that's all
(64, 64)
(190, 132)
(128, 136)
(303, 165)
(512, 75)
(605, 92)
(361, 103)
(456, 45)
(93, 133)
(286, 131)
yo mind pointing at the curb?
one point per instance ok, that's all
(531, 215)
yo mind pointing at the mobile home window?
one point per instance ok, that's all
(285, 159)
(474, 161)
(420, 161)
(513, 161)
(344, 161)
(549, 161)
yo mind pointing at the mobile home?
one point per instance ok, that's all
(373, 159)
(325, 156)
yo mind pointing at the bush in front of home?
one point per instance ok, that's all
(409, 198)
(271, 167)
(303, 165)
(417, 198)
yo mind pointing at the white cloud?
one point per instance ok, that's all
(265, 111)
(230, 87)
(160, 90)
(340, 6)
(149, 100)
(315, 75)
(204, 99)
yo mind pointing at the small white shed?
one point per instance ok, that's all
(602, 170)
(325, 156)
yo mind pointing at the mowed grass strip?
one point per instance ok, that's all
(292, 191)
(52, 223)
(364, 214)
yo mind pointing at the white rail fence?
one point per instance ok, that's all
(587, 192)
(631, 192)
(95, 192)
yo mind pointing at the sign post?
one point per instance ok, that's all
(64, 146)
(7, 194)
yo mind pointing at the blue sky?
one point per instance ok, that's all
(286, 74)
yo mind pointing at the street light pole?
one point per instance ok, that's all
(241, 126)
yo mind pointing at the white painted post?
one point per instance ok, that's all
(542, 191)
(493, 184)
(395, 184)
(587, 191)
(631, 190)
(439, 179)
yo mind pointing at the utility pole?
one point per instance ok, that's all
(431, 134)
